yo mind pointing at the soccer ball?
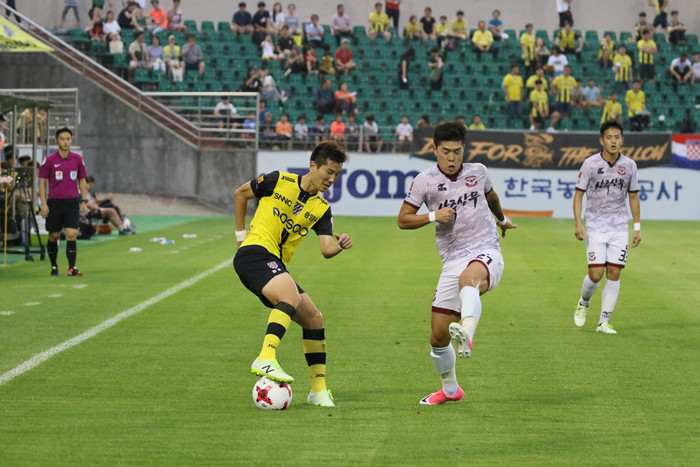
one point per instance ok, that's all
(272, 395)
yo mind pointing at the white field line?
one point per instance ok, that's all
(92, 332)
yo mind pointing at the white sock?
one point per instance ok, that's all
(471, 309)
(444, 360)
(610, 293)
(587, 290)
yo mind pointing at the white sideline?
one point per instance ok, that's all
(46, 354)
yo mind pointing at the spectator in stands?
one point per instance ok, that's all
(252, 81)
(539, 100)
(175, 18)
(192, 55)
(427, 25)
(318, 129)
(283, 130)
(225, 113)
(345, 101)
(622, 67)
(301, 131)
(412, 30)
(293, 20)
(11, 4)
(263, 110)
(96, 31)
(592, 96)
(681, 69)
(435, 64)
(661, 18)
(138, 52)
(557, 61)
(564, 12)
(577, 95)
(325, 98)
(269, 90)
(379, 24)
(341, 26)
(127, 18)
(393, 11)
(539, 75)
(459, 27)
(527, 48)
(249, 125)
(70, 5)
(442, 31)
(157, 18)
(277, 19)
(268, 131)
(325, 66)
(570, 42)
(641, 25)
(542, 53)
(647, 50)
(407, 57)
(496, 26)
(156, 55)
(563, 86)
(636, 105)
(172, 58)
(612, 110)
(310, 60)
(338, 130)
(352, 132)
(424, 122)
(513, 90)
(315, 34)
(261, 24)
(606, 53)
(111, 27)
(373, 143)
(676, 29)
(267, 48)
(404, 133)
(294, 63)
(476, 122)
(285, 45)
(695, 64)
(242, 22)
(344, 62)
(482, 42)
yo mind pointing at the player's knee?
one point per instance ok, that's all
(439, 339)
(595, 275)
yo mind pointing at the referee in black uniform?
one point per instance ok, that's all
(64, 173)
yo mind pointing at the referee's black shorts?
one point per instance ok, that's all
(256, 267)
(63, 213)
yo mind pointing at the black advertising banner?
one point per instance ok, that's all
(547, 151)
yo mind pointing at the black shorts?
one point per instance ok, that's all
(256, 267)
(647, 71)
(63, 213)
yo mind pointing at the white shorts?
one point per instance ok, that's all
(603, 248)
(446, 299)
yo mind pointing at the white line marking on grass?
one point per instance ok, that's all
(80, 286)
(55, 295)
(6, 313)
(32, 303)
(92, 332)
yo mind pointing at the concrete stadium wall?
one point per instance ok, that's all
(599, 15)
(127, 152)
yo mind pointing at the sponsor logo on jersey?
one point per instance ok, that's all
(297, 208)
(610, 183)
(579, 174)
(283, 199)
(621, 170)
(311, 217)
(461, 201)
(601, 170)
(440, 187)
(289, 224)
(289, 179)
(471, 181)
(260, 179)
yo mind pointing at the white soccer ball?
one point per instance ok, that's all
(272, 395)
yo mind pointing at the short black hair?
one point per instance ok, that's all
(64, 129)
(89, 179)
(449, 131)
(610, 124)
(328, 150)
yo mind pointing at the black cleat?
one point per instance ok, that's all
(54, 270)
(74, 272)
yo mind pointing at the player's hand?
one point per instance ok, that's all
(343, 241)
(580, 232)
(636, 238)
(44, 211)
(506, 226)
(444, 215)
(238, 245)
(83, 209)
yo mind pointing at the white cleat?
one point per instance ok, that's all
(461, 338)
(605, 328)
(321, 398)
(580, 315)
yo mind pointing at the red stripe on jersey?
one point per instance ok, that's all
(445, 311)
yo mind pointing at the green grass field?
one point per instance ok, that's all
(171, 384)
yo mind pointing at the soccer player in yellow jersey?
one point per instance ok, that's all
(647, 49)
(636, 104)
(513, 89)
(290, 206)
(539, 99)
(482, 41)
(378, 24)
(562, 86)
(612, 110)
(622, 66)
(527, 45)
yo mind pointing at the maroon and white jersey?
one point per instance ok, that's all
(473, 227)
(606, 186)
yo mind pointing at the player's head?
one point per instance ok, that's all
(64, 138)
(622, 50)
(613, 96)
(448, 146)
(326, 163)
(611, 137)
(637, 84)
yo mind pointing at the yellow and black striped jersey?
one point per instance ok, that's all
(285, 214)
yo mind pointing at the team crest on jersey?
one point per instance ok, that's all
(260, 179)
(601, 170)
(621, 170)
(441, 187)
(274, 266)
(591, 255)
(298, 208)
(471, 181)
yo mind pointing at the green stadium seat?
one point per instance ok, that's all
(660, 37)
(591, 36)
(190, 24)
(625, 36)
(208, 26)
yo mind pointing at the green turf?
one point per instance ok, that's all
(171, 384)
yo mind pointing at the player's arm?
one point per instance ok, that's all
(409, 219)
(580, 231)
(331, 247)
(495, 206)
(82, 184)
(636, 217)
(42, 197)
(241, 196)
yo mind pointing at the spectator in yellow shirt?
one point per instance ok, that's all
(513, 88)
(622, 66)
(563, 86)
(459, 27)
(442, 30)
(412, 29)
(647, 50)
(539, 99)
(607, 51)
(482, 41)
(612, 110)
(539, 75)
(476, 123)
(636, 105)
(379, 24)
(527, 45)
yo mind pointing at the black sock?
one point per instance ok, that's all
(52, 249)
(71, 253)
